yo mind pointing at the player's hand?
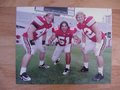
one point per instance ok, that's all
(78, 41)
(49, 42)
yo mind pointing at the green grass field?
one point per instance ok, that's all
(53, 75)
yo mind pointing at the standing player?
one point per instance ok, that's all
(64, 35)
(34, 39)
(91, 30)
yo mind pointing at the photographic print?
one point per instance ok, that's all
(63, 45)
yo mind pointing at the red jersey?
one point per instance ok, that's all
(41, 27)
(64, 38)
(86, 26)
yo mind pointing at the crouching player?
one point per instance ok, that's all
(34, 39)
(64, 35)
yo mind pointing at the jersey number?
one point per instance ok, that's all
(89, 33)
(63, 41)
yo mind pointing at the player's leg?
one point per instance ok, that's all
(100, 61)
(24, 76)
(42, 63)
(25, 61)
(85, 53)
(67, 51)
(42, 52)
(85, 61)
(57, 52)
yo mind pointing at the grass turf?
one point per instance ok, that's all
(53, 75)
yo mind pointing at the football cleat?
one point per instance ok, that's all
(66, 71)
(25, 77)
(84, 69)
(57, 61)
(44, 66)
(98, 77)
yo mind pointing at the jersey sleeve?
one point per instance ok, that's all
(53, 30)
(38, 21)
(90, 21)
(74, 30)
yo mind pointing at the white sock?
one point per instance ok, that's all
(86, 64)
(22, 70)
(100, 70)
(68, 66)
(41, 62)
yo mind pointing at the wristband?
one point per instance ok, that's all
(32, 42)
(43, 42)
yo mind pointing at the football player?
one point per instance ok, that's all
(97, 43)
(64, 35)
(34, 39)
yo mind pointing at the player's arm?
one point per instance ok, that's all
(30, 31)
(97, 32)
(83, 38)
(52, 38)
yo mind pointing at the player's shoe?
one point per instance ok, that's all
(44, 66)
(57, 61)
(84, 69)
(66, 71)
(25, 77)
(98, 77)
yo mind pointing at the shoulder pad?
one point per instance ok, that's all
(90, 21)
(39, 20)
